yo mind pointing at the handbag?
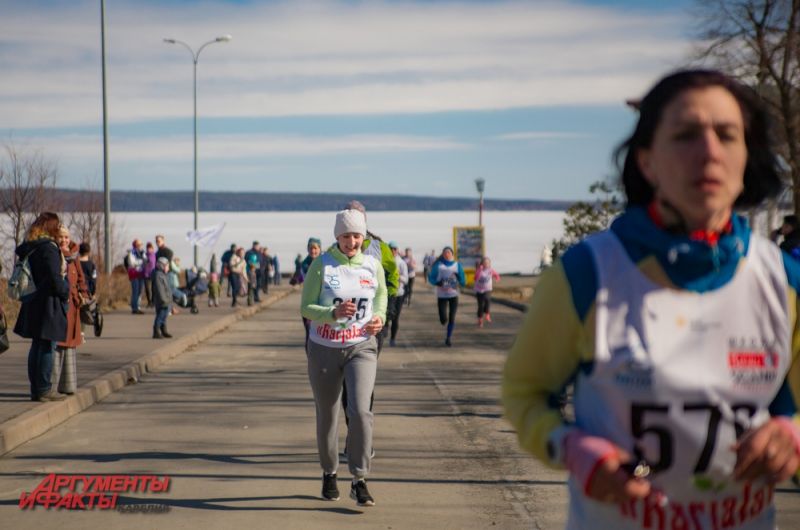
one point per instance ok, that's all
(4, 344)
(86, 313)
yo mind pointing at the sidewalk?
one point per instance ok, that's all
(108, 363)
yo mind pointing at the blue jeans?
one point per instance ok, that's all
(161, 316)
(40, 365)
(136, 293)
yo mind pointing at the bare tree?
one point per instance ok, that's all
(85, 221)
(758, 41)
(27, 188)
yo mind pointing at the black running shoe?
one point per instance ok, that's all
(360, 493)
(447, 342)
(329, 489)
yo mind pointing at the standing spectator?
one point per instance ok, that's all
(484, 275)
(225, 260)
(134, 261)
(149, 267)
(269, 272)
(162, 250)
(88, 267)
(276, 269)
(266, 270)
(253, 259)
(43, 315)
(427, 263)
(162, 298)
(411, 264)
(402, 270)
(174, 281)
(447, 275)
(64, 375)
(213, 290)
(237, 277)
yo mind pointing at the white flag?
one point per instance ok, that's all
(207, 237)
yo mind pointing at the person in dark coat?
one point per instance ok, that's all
(43, 314)
(162, 299)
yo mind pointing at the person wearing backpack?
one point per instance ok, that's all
(43, 313)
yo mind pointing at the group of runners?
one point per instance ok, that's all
(674, 332)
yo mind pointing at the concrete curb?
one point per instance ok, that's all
(41, 419)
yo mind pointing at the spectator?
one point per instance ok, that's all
(225, 260)
(163, 251)
(134, 262)
(276, 269)
(237, 278)
(64, 375)
(162, 298)
(43, 315)
(88, 267)
(214, 289)
(149, 267)
(253, 259)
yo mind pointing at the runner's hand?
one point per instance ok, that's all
(771, 451)
(345, 310)
(611, 483)
(374, 326)
(596, 462)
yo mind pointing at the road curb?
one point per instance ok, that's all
(41, 419)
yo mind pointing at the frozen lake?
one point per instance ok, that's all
(514, 240)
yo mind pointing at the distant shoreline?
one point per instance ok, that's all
(216, 201)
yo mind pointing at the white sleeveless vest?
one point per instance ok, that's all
(448, 275)
(340, 283)
(677, 376)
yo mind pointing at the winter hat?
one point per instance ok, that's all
(314, 241)
(163, 261)
(350, 221)
(392, 244)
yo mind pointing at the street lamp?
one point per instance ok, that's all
(195, 56)
(480, 184)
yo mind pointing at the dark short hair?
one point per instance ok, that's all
(84, 248)
(761, 176)
(791, 220)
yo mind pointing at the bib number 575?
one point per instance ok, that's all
(649, 419)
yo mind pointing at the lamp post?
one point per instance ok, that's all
(195, 56)
(480, 184)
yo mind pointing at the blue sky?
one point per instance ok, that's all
(403, 97)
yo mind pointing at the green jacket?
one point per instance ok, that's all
(312, 287)
(389, 265)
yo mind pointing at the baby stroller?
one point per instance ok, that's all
(195, 284)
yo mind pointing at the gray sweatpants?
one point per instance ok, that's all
(327, 367)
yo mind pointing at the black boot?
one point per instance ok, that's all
(157, 333)
(164, 332)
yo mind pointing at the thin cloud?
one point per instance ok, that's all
(238, 147)
(540, 135)
(324, 58)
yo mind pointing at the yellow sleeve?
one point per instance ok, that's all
(544, 357)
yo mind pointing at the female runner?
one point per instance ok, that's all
(678, 327)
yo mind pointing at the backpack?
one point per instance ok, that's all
(21, 284)
(126, 261)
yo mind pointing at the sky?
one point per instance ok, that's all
(398, 97)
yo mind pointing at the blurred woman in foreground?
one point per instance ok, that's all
(678, 326)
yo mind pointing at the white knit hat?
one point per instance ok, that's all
(350, 221)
